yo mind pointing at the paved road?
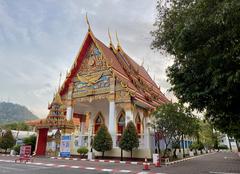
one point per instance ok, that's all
(218, 163)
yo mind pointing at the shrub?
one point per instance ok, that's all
(16, 148)
(7, 140)
(31, 140)
(223, 146)
(82, 151)
(129, 139)
(102, 141)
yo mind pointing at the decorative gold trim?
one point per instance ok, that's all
(118, 43)
(89, 27)
(110, 38)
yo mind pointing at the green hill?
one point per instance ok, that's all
(10, 112)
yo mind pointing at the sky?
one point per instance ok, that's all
(40, 39)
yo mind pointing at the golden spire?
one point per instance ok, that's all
(111, 44)
(110, 38)
(118, 43)
(142, 62)
(60, 76)
(89, 27)
(57, 98)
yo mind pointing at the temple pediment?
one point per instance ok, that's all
(93, 75)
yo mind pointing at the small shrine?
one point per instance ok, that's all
(104, 86)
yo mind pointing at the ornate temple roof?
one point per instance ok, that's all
(136, 79)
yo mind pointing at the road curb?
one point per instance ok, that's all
(103, 161)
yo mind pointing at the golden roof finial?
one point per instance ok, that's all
(57, 98)
(60, 76)
(142, 62)
(110, 38)
(118, 43)
(89, 27)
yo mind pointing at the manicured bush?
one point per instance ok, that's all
(7, 140)
(82, 151)
(31, 140)
(129, 139)
(16, 148)
(102, 141)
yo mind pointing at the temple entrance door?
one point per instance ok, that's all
(41, 141)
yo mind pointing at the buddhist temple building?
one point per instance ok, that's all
(104, 86)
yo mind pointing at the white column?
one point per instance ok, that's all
(112, 122)
(69, 114)
(81, 132)
(90, 129)
(129, 116)
(146, 133)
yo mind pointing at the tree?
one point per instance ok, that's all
(204, 39)
(31, 140)
(174, 121)
(7, 140)
(129, 139)
(102, 141)
(165, 121)
(207, 136)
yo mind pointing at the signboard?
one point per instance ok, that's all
(65, 146)
(25, 152)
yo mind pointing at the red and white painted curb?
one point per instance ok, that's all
(80, 167)
(104, 161)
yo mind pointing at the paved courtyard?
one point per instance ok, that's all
(217, 163)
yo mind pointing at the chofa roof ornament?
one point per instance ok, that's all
(89, 27)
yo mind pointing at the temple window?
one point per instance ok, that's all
(138, 124)
(120, 126)
(121, 123)
(98, 122)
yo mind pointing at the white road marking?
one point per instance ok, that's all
(75, 167)
(38, 163)
(49, 164)
(107, 170)
(61, 165)
(122, 162)
(124, 171)
(134, 162)
(90, 168)
(111, 161)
